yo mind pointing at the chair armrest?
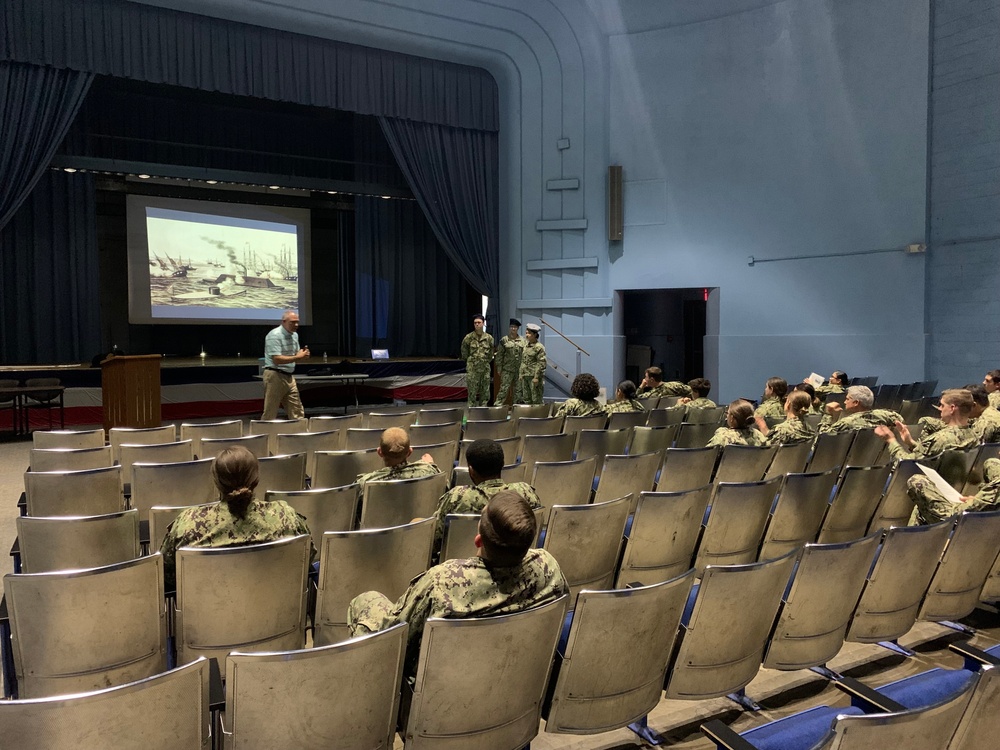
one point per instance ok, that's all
(866, 698)
(973, 656)
(724, 737)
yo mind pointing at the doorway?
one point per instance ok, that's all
(665, 328)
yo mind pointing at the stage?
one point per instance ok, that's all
(222, 387)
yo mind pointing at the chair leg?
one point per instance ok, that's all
(646, 733)
(826, 672)
(896, 648)
(958, 626)
(740, 697)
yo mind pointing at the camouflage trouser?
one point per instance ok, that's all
(529, 392)
(931, 506)
(366, 612)
(477, 382)
(508, 381)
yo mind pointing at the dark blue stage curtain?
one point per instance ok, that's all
(403, 282)
(130, 40)
(50, 306)
(453, 172)
(37, 105)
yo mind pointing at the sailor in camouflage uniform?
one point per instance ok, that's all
(652, 386)
(625, 400)
(794, 429)
(700, 388)
(739, 429)
(585, 390)
(838, 384)
(857, 413)
(992, 385)
(956, 405)
(238, 520)
(508, 363)
(477, 351)
(507, 576)
(485, 459)
(773, 404)
(985, 421)
(931, 506)
(532, 372)
(394, 448)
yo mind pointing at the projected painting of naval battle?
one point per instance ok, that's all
(204, 262)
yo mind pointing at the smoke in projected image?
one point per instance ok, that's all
(215, 263)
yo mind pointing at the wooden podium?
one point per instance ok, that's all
(130, 391)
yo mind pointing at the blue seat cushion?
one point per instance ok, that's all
(927, 688)
(801, 730)
(564, 636)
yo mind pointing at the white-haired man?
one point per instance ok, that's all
(281, 352)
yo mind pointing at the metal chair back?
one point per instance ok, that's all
(652, 439)
(74, 542)
(743, 463)
(695, 434)
(564, 482)
(896, 506)
(538, 426)
(432, 434)
(195, 431)
(283, 473)
(711, 415)
(830, 451)
(450, 415)
(70, 459)
(686, 468)
(493, 429)
(160, 518)
(256, 444)
(511, 450)
(396, 502)
(67, 438)
(736, 523)
(789, 458)
(627, 475)
(601, 443)
(307, 443)
(486, 413)
(665, 417)
(858, 495)
(88, 492)
(866, 449)
(385, 420)
(547, 449)
(273, 427)
(337, 468)
(119, 436)
(798, 512)
(623, 419)
(160, 453)
(595, 421)
(177, 485)
(327, 422)
(327, 509)
(362, 438)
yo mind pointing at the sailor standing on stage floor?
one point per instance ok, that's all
(532, 374)
(508, 362)
(477, 351)
(281, 352)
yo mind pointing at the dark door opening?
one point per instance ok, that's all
(665, 328)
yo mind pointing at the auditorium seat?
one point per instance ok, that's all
(686, 468)
(450, 700)
(547, 449)
(160, 518)
(308, 443)
(736, 519)
(283, 473)
(511, 473)
(743, 463)
(563, 482)
(67, 438)
(273, 427)
(166, 711)
(711, 415)
(337, 468)
(817, 605)
(695, 434)
(650, 439)
(383, 421)
(431, 434)
(353, 562)
(118, 436)
(789, 458)
(601, 443)
(173, 484)
(460, 530)
(975, 479)
(538, 426)
(830, 451)
(854, 503)
(664, 536)
(512, 447)
(427, 417)
(529, 411)
(586, 540)
(70, 459)
(362, 438)
(73, 542)
(798, 512)
(897, 582)
(867, 449)
(610, 668)
(664, 417)
(573, 425)
(725, 628)
(627, 475)
(195, 431)
(78, 630)
(329, 509)
(489, 429)
(87, 492)
(159, 453)
(443, 454)
(325, 422)
(619, 419)
(486, 414)
(395, 502)
(250, 598)
(956, 464)
(256, 444)
(345, 695)
(896, 507)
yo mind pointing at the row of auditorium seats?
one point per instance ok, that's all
(625, 649)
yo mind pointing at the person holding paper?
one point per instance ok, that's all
(935, 500)
(955, 408)
(838, 384)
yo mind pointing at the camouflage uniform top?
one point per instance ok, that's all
(576, 407)
(994, 399)
(988, 496)
(771, 407)
(613, 407)
(533, 361)
(731, 436)
(472, 499)
(457, 589)
(861, 420)
(508, 356)
(825, 390)
(949, 438)
(214, 526)
(477, 349)
(672, 388)
(793, 430)
(986, 425)
(707, 403)
(405, 470)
